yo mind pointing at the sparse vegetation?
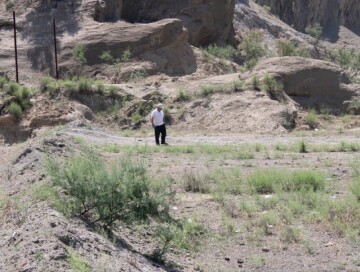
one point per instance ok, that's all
(225, 53)
(106, 195)
(289, 48)
(210, 89)
(252, 48)
(348, 59)
(314, 31)
(79, 55)
(195, 183)
(16, 97)
(137, 75)
(255, 82)
(311, 119)
(270, 84)
(182, 95)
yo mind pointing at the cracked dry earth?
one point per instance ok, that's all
(37, 237)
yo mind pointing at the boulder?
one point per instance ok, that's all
(164, 43)
(310, 82)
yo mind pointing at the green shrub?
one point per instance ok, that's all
(267, 8)
(126, 56)
(76, 262)
(270, 84)
(265, 181)
(79, 55)
(207, 90)
(250, 64)
(255, 82)
(343, 57)
(302, 147)
(137, 75)
(3, 81)
(314, 31)
(85, 85)
(304, 180)
(15, 110)
(107, 57)
(289, 48)
(69, 85)
(290, 235)
(238, 85)
(311, 119)
(226, 53)
(253, 47)
(182, 95)
(136, 117)
(195, 183)
(49, 85)
(113, 90)
(105, 195)
(18, 99)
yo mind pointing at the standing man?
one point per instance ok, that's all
(158, 123)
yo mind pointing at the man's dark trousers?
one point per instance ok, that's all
(160, 129)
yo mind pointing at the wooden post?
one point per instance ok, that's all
(16, 58)
(55, 49)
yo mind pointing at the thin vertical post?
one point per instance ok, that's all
(55, 48)
(16, 57)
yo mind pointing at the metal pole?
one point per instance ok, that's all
(55, 47)
(16, 58)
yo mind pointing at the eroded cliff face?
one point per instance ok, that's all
(206, 21)
(330, 14)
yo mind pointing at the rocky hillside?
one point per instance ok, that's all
(329, 14)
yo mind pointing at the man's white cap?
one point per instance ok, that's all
(160, 106)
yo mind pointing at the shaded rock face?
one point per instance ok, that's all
(311, 83)
(164, 43)
(330, 14)
(206, 21)
(107, 11)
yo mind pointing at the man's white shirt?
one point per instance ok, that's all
(158, 117)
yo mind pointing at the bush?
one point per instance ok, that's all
(314, 31)
(311, 119)
(126, 56)
(238, 85)
(270, 84)
(50, 85)
(18, 100)
(3, 81)
(194, 183)
(289, 48)
(345, 58)
(137, 75)
(207, 90)
(304, 180)
(265, 181)
(15, 110)
(79, 54)
(182, 95)
(85, 85)
(255, 82)
(302, 147)
(107, 57)
(226, 53)
(274, 180)
(106, 195)
(253, 47)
